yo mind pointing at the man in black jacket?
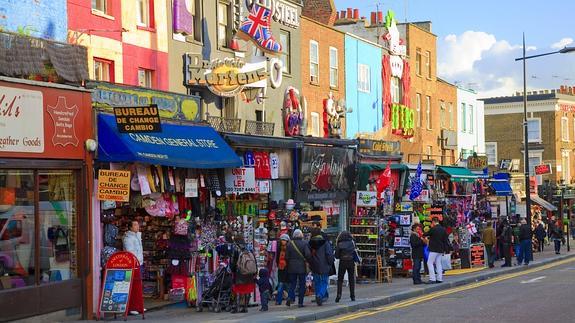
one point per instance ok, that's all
(438, 245)
(525, 243)
(417, 246)
(506, 238)
(297, 255)
(345, 252)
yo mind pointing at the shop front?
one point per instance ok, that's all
(44, 218)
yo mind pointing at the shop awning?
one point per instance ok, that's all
(548, 206)
(187, 146)
(501, 187)
(458, 174)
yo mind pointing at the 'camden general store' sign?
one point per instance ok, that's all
(224, 77)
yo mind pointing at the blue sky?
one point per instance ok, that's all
(478, 40)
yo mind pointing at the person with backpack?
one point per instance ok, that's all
(506, 242)
(345, 251)
(244, 268)
(320, 263)
(297, 254)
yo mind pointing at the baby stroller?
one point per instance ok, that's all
(218, 295)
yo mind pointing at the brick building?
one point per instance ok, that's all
(551, 122)
(322, 74)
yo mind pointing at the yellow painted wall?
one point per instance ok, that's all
(157, 40)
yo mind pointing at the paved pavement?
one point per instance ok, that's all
(536, 295)
(367, 296)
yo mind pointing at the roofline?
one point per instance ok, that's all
(416, 26)
(365, 40)
(322, 24)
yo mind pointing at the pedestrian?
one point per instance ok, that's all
(438, 245)
(133, 244)
(321, 260)
(347, 255)
(516, 241)
(489, 239)
(297, 254)
(524, 243)
(506, 242)
(244, 268)
(540, 236)
(265, 288)
(417, 242)
(283, 276)
(556, 234)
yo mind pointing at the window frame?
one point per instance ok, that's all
(451, 119)
(313, 79)
(494, 145)
(197, 17)
(228, 24)
(565, 129)
(428, 112)
(111, 70)
(428, 64)
(566, 171)
(363, 78)
(333, 68)
(286, 51)
(471, 118)
(463, 117)
(418, 109)
(418, 61)
(99, 10)
(314, 116)
(540, 138)
(150, 78)
(442, 115)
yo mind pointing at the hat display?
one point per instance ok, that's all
(290, 204)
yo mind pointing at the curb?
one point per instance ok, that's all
(402, 296)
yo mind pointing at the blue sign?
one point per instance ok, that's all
(116, 290)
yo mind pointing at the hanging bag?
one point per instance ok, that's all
(62, 246)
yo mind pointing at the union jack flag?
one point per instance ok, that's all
(257, 23)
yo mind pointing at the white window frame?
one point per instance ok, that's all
(313, 78)
(418, 61)
(536, 140)
(315, 128)
(333, 67)
(286, 51)
(101, 6)
(104, 66)
(149, 78)
(143, 13)
(428, 112)
(471, 118)
(491, 160)
(363, 78)
(451, 115)
(428, 64)
(463, 117)
(565, 129)
(223, 23)
(539, 155)
(442, 115)
(418, 109)
(566, 166)
(395, 89)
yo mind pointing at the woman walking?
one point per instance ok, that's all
(297, 255)
(345, 252)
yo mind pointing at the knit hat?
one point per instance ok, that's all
(284, 237)
(297, 234)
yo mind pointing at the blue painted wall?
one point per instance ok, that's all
(38, 18)
(367, 112)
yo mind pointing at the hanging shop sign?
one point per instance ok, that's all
(285, 13)
(543, 169)
(114, 185)
(138, 119)
(477, 162)
(366, 199)
(21, 120)
(240, 180)
(326, 169)
(379, 147)
(224, 77)
(402, 121)
(106, 96)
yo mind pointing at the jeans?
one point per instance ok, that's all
(320, 282)
(417, 270)
(517, 250)
(507, 254)
(265, 297)
(557, 245)
(280, 295)
(435, 273)
(299, 281)
(540, 245)
(524, 252)
(349, 267)
(490, 255)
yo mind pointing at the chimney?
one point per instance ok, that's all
(373, 17)
(562, 89)
(380, 17)
(342, 14)
(356, 14)
(349, 13)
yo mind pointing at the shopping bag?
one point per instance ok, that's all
(446, 261)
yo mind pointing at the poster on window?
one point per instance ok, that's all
(326, 169)
(240, 180)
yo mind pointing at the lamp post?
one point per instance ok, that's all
(526, 133)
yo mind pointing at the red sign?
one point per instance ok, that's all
(66, 121)
(543, 169)
(567, 107)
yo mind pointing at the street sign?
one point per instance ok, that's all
(543, 169)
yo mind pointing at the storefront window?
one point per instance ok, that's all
(17, 267)
(57, 209)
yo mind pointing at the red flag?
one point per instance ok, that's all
(384, 179)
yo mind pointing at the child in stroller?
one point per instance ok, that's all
(218, 295)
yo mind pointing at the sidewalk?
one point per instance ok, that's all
(367, 296)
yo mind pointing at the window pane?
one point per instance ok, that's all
(313, 52)
(17, 267)
(285, 55)
(470, 113)
(533, 130)
(58, 223)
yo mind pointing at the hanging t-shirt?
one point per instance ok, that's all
(274, 166)
(262, 166)
(249, 159)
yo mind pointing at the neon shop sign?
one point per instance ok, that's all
(402, 123)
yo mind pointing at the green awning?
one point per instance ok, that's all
(365, 169)
(458, 174)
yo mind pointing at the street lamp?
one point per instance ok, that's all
(525, 138)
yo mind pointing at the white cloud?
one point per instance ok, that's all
(562, 43)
